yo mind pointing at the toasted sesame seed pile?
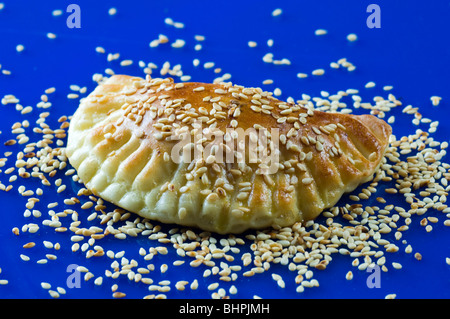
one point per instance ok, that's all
(367, 226)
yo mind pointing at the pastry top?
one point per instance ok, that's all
(182, 153)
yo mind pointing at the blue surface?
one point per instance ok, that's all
(410, 51)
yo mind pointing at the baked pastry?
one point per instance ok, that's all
(124, 139)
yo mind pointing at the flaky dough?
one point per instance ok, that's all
(120, 142)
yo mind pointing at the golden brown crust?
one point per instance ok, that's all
(121, 143)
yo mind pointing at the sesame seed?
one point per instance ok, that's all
(435, 100)
(29, 245)
(48, 244)
(334, 65)
(370, 85)
(179, 43)
(268, 57)
(281, 283)
(57, 13)
(277, 12)
(20, 48)
(126, 62)
(194, 284)
(168, 21)
(118, 294)
(320, 32)
(318, 72)
(72, 96)
(199, 89)
(396, 265)
(213, 286)
(276, 277)
(349, 275)
(352, 37)
(45, 285)
(76, 238)
(61, 290)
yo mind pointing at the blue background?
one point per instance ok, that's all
(410, 51)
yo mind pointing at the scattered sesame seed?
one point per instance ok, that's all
(352, 37)
(396, 265)
(42, 261)
(72, 96)
(45, 285)
(435, 100)
(57, 12)
(20, 48)
(268, 58)
(126, 62)
(349, 275)
(179, 43)
(370, 85)
(199, 37)
(277, 12)
(213, 286)
(112, 11)
(267, 247)
(320, 32)
(29, 245)
(318, 72)
(194, 284)
(61, 290)
(118, 294)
